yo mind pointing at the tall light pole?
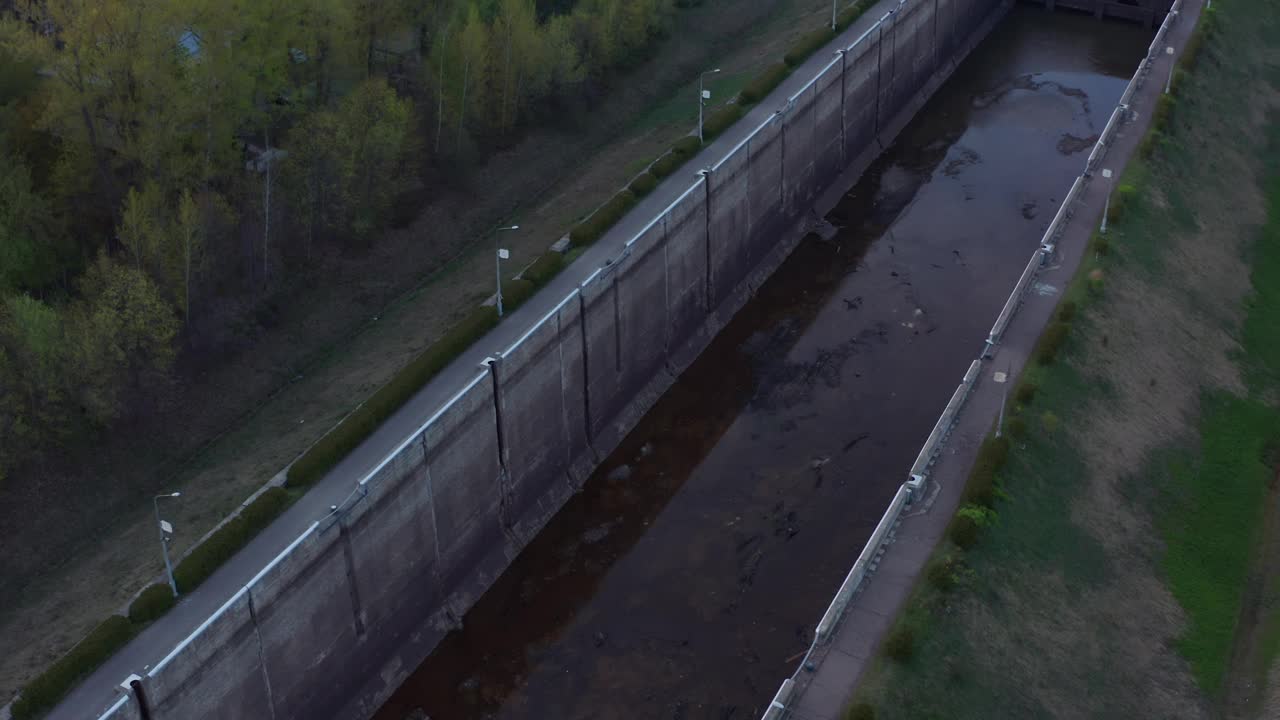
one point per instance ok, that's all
(164, 541)
(703, 97)
(1173, 66)
(833, 14)
(1106, 207)
(500, 255)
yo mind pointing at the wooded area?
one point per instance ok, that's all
(167, 164)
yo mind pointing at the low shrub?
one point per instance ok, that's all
(900, 646)
(992, 457)
(967, 526)
(943, 573)
(642, 185)
(590, 230)
(807, 45)
(42, 693)
(151, 603)
(1164, 113)
(547, 266)
(265, 508)
(1017, 427)
(666, 165)
(720, 120)
(1067, 311)
(1054, 339)
(209, 555)
(1049, 422)
(764, 83)
(1150, 143)
(1101, 245)
(515, 292)
(1121, 200)
(964, 532)
(363, 420)
(687, 146)
(851, 14)
(1025, 393)
(861, 711)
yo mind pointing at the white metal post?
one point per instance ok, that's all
(702, 99)
(1173, 66)
(1106, 208)
(499, 255)
(164, 542)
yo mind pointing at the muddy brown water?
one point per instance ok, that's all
(687, 576)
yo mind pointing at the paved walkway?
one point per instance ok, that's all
(88, 700)
(824, 693)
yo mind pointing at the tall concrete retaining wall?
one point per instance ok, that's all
(334, 624)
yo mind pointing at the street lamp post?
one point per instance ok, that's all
(703, 96)
(164, 541)
(500, 255)
(1173, 66)
(833, 14)
(1106, 207)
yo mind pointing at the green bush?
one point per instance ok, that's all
(900, 646)
(807, 45)
(851, 15)
(943, 573)
(1101, 245)
(1067, 311)
(547, 266)
(1164, 113)
(590, 230)
(515, 292)
(643, 184)
(151, 603)
(1025, 393)
(1017, 427)
(1054, 339)
(762, 84)
(42, 693)
(861, 711)
(722, 119)
(1150, 143)
(964, 532)
(365, 419)
(1121, 199)
(666, 165)
(209, 555)
(993, 455)
(265, 508)
(687, 146)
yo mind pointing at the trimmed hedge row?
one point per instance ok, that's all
(151, 603)
(807, 45)
(42, 693)
(547, 266)
(764, 83)
(851, 15)
(643, 184)
(1052, 342)
(365, 419)
(722, 119)
(590, 230)
(209, 555)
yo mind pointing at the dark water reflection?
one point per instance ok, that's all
(685, 579)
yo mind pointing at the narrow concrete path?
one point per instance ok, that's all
(824, 693)
(100, 689)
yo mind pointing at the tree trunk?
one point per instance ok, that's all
(462, 108)
(266, 204)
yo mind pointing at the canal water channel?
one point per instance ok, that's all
(686, 579)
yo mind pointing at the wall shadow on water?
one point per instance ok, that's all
(732, 575)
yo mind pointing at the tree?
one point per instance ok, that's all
(378, 124)
(473, 43)
(28, 229)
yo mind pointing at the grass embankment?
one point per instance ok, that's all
(1109, 574)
